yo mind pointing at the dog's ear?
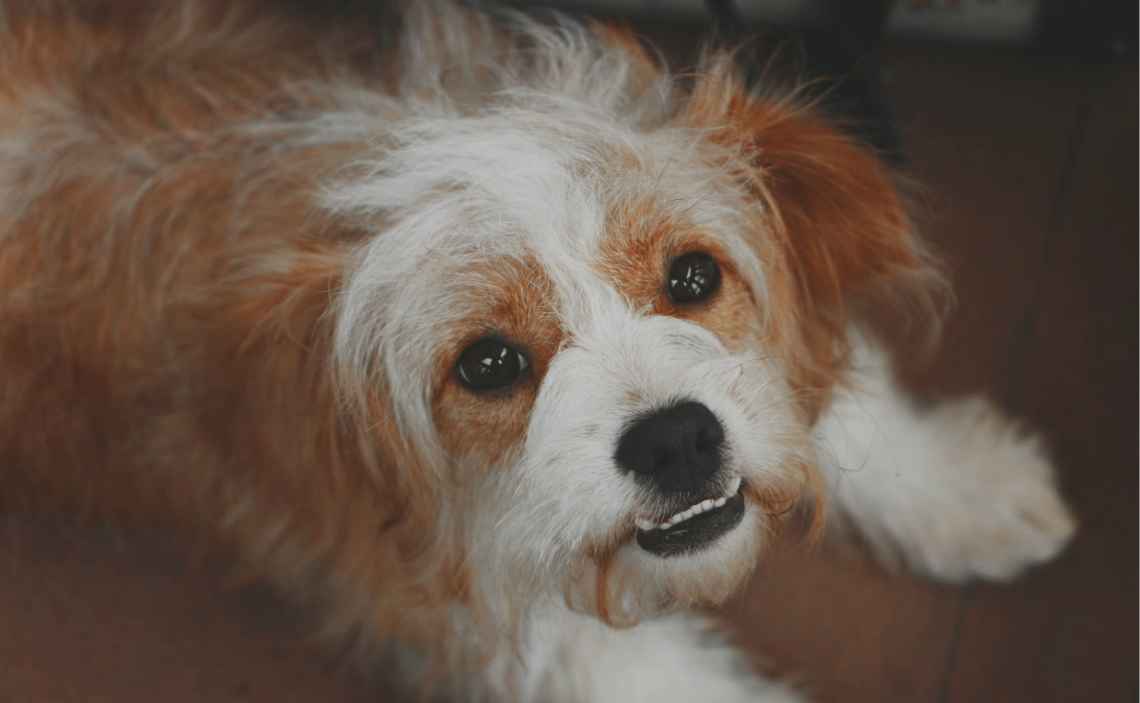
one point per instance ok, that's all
(332, 474)
(831, 229)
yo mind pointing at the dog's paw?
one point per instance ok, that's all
(988, 505)
(1017, 521)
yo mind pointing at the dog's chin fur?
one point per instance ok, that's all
(241, 254)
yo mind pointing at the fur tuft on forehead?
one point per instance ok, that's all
(462, 178)
(516, 143)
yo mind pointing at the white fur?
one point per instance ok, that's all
(676, 658)
(509, 154)
(565, 490)
(958, 491)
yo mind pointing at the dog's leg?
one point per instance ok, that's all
(957, 490)
(573, 658)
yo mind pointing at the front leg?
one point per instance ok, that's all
(569, 657)
(957, 490)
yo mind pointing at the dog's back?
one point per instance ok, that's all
(157, 172)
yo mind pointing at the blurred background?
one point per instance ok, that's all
(1018, 118)
(1106, 28)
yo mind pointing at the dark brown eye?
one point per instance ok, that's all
(489, 364)
(692, 277)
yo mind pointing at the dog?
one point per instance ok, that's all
(498, 345)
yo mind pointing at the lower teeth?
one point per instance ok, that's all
(708, 505)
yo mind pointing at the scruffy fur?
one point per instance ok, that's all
(241, 252)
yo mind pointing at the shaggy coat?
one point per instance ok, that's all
(240, 254)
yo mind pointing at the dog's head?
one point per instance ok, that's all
(603, 310)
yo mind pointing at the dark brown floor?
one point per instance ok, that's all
(1031, 178)
(1031, 189)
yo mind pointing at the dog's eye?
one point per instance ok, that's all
(489, 364)
(693, 277)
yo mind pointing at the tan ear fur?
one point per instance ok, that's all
(832, 228)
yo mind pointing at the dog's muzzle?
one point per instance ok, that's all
(678, 452)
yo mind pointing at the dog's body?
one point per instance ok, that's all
(494, 344)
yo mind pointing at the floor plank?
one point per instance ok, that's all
(90, 617)
(1070, 633)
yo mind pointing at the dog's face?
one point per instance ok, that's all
(604, 317)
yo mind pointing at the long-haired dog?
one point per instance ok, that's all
(499, 345)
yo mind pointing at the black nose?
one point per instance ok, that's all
(676, 449)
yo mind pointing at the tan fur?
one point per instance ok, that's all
(165, 336)
(640, 244)
(515, 304)
(834, 231)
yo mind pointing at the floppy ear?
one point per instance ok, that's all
(831, 228)
(333, 481)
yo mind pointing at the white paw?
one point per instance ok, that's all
(998, 510)
(959, 493)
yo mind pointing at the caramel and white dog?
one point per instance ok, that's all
(498, 344)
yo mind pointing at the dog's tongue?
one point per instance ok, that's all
(693, 534)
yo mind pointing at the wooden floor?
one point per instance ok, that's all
(1030, 168)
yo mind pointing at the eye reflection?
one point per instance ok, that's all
(489, 364)
(692, 277)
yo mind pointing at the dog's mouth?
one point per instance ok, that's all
(695, 527)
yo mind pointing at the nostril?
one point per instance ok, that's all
(662, 457)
